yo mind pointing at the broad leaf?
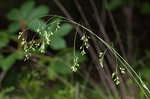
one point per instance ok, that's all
(64, 29)
(58, 43)
(37, 24)
(14, 27)
(51, 27)
(26, 9)
(7, 62)
(14, 15)
(3, 42)
(60, 67)
(51, 74)
(39, 12)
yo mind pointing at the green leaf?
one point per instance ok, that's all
(13, 15)
(37, 24)
(3, 31)
(27, 12)
(14, 27)
(26, 9)
(3, 42)
(19, 55)
(7, 62)
(60, 67)
(51, 74)
(114, 4)
(58, 43)
(64, 29)
(68, 55)
(51, 27)
(38, 13)
(1, 56)
(146, 8)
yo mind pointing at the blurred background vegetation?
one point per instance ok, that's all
(124, 24)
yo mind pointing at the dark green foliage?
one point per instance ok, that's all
(7, 62)
(26, 14)
(146, 8)
(4, 42)
(30, 80)
(114, 4)
(48, 75)
(58, 42)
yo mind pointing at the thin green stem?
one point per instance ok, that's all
(75, 37)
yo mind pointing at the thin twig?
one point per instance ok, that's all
(128, 14)
(99, 22)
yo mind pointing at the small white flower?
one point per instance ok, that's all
(42, 48)
(74, 69)
(38, 30)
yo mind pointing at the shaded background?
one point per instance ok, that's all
(129, 18)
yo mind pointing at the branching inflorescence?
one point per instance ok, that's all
(45, 39)
(40, 43)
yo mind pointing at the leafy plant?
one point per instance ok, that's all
(36, 36)
(29, 19)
